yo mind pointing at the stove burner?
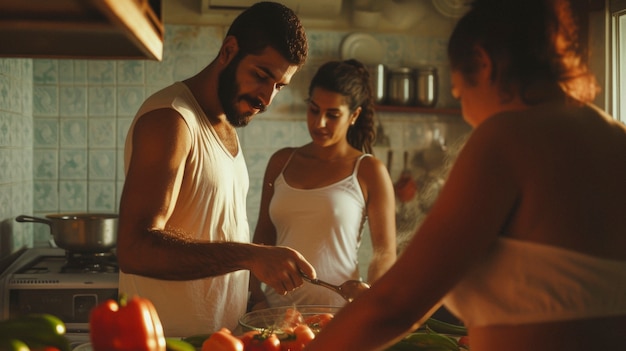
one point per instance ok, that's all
(104, 262)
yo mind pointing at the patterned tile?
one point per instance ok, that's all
(101, 101)
(324, 45)
(25, 164)
(72, 101)
(73, 196)
(5, 129)
(45, 195)
(120, 171)
(5, 165)
(73, 164)
(186, 38)
(100, 72)
(102, 133)
(102, 164)
(102, 197)
(45, 71)
(129, 100)
(160, 74)
(74, 132)
(46, 132)
(72, 72)
(24, 134)
(119, 186)
(130, 72)
(123, 124)
(16, 198)
(45, 100)
(14, 96)
(66, 71)
(46, 164)
(5, 89)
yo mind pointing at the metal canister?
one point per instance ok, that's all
(426, 86)
(401, 86)
(378, 79)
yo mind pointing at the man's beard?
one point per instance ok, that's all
(227, 92)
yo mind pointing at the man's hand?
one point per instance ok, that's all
(280, 267)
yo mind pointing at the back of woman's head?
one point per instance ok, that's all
(351, 79)
(532, 44)
(270, 24)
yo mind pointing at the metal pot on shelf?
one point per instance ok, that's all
(426, 86)
(378, 79)
(401, 86)
(80, 232)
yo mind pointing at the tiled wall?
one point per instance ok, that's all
(81, 110)
(16, 149)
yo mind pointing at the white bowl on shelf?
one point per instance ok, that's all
(365, 18)
(403, 14)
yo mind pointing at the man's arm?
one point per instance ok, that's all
(161, 144)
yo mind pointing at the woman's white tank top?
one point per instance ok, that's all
(325, 225)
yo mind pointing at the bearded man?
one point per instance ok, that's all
(183, 239)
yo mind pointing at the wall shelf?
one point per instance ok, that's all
(417, 109)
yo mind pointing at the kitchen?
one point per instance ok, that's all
(65, 120)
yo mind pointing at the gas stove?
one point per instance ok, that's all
(67, 285)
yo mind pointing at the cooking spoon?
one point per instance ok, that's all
(349, 290)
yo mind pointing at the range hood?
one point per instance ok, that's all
(89, 29)
(303, 8)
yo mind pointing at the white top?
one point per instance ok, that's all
(525, 282)
(211, 206)
(325, 226)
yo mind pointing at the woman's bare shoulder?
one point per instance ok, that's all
(372, 167)
(278, 160)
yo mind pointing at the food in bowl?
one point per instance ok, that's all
(281, 319)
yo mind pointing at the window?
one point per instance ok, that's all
(617, 11)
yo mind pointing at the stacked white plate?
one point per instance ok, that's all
(362, 47)
(452, 8)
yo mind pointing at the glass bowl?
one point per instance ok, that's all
(279, 318)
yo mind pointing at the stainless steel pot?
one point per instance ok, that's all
(80, 232)
(401, 86)
(426, 86)
(378, 79)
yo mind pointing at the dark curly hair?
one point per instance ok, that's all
(351, 79)
(270, 24)
(533, 45)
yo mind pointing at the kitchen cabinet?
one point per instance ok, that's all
(90, 29)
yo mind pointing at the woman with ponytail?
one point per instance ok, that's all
(317, 197)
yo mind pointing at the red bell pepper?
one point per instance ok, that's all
(131, 325)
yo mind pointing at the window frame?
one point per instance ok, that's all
(617, 54)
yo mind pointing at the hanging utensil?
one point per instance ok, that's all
(405, 187)
(349, 290)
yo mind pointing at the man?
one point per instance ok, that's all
(183, 238)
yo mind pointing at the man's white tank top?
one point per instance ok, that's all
(211, 206)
